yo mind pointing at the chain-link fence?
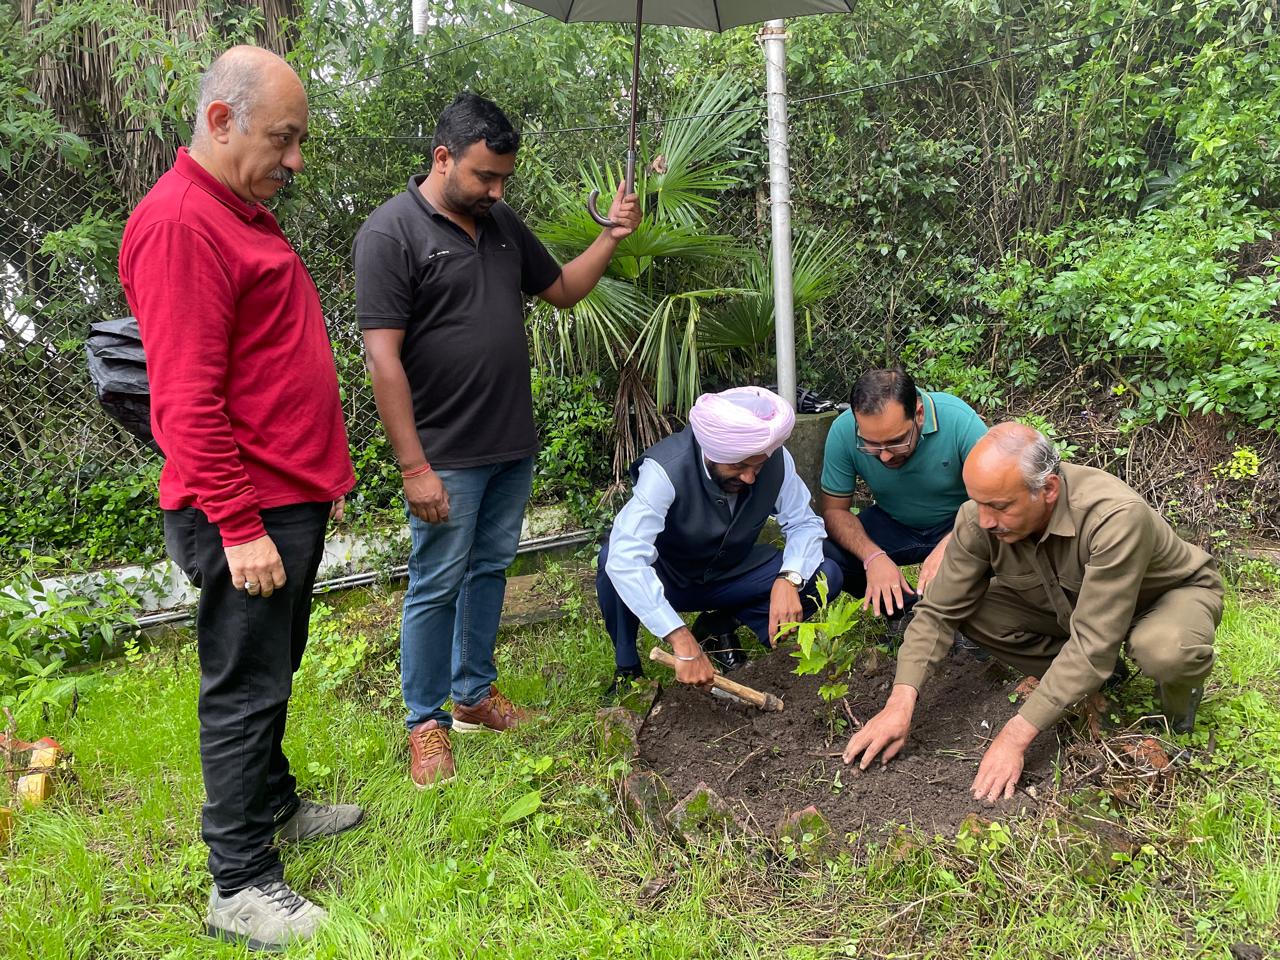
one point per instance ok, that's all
(923, 181)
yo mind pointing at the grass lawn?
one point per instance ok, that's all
(114, 866)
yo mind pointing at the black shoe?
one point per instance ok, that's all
(895, 627)
(724, 651)
(963, 645)
(623, 677)
(1180, 707)
(709, 623)
(716, 633)
(1118, 676)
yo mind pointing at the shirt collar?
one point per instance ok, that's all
(930, 413)
(187, 166)
(1062, 521)
(415, 188)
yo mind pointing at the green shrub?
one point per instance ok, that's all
(42, 632)
(92, 518)
(575, 424)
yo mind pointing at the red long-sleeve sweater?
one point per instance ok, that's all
(244, 392)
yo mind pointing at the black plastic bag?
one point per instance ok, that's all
(808, 401)
(118, 369)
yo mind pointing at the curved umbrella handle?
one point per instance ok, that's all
(596, 215)
(630, 181)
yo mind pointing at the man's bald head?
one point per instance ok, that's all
(1012, 475)
(1016, 444)
(251, 123)
(239, 78)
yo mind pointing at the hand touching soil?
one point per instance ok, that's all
(765, 764)
(886, 732)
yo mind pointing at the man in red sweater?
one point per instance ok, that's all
(245, 406)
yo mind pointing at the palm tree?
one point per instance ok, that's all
(678, 303)
(113, 66)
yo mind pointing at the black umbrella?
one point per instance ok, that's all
(702, 14)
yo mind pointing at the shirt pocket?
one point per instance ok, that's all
(1023, 582)
(439, 262)
(502, 269)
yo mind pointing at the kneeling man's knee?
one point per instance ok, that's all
(1171, 655)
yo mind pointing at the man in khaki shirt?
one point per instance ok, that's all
(1054, 568)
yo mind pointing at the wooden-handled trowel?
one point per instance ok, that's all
(761, 701)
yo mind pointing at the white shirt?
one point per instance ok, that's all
(632, 550)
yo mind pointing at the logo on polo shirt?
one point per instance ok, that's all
(438, 253)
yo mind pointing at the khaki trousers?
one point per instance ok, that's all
(1171, 641)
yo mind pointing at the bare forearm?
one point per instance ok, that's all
(846, 529)
(1019, 732)
(581, 274)
(395, 408)
(682, 642)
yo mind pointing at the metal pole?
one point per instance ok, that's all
(774, 36)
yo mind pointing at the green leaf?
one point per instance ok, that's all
(522, 808)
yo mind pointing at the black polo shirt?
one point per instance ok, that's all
(461, 306)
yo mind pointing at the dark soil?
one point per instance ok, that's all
(768, 765)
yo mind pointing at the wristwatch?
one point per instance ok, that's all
(792, 578)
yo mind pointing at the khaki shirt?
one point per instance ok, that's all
(1105, 557)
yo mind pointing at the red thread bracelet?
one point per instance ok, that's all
(415, 472)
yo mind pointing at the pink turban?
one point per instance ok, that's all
(740, 423)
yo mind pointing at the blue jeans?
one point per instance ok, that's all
(457, 580)
(745, 598)
(904, 545)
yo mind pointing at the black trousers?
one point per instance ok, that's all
(250, 648)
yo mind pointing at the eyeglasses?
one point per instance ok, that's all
(877, 449)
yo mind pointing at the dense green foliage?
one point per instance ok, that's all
(1068, 206)
(103, 516)
(574, 419)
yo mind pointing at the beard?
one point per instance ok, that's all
(460, 202)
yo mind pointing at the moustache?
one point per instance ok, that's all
(281, 174)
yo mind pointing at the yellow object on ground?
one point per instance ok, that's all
(35, 788)
(45, 757)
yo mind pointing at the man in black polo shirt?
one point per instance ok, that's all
(442, 271)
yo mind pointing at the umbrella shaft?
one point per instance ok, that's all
(635, 89)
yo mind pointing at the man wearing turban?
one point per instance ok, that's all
(687, 540)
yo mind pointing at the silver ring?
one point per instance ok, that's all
(251, 585)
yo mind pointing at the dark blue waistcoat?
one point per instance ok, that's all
(703, 541)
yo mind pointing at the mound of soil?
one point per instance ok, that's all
(767, 765)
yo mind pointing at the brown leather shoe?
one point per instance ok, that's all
(494, 712)
(430, 756)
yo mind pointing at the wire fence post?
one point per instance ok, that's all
(774, 37)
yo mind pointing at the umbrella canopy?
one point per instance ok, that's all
(715, 15)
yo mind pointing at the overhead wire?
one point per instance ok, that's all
(797, 101)
(427, 57)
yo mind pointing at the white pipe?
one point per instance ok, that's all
(366, 578)
(421, 17)
(774, 36)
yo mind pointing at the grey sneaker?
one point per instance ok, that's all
(265, 917)
(319, 820)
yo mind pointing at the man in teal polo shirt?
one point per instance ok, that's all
(909, 447)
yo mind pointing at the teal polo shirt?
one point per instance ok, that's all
(928, 489)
